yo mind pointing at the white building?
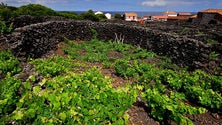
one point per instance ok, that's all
(98, 12)
(108, 16)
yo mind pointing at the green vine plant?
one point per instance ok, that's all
(213, 55)
(94, 33)
(4, 29)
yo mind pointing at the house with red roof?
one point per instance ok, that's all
(159, 18)
(130, 17)
(184, 16)
(170, 13)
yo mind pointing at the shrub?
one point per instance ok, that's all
(36, 10)
(70, 15)
(89, 15)
(4, 28)
(101, 17)
(6, 12)
(118, 16)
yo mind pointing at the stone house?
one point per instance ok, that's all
(209, 16)
(184, 16)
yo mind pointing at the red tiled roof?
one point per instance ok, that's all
(194, 16)
(219, 11)
(130, 14)
(145, 16)
(179, 18)
(160, 17)
(169, 13)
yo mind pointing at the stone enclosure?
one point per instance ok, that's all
(34, 39)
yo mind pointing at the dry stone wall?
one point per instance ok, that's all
(25, 20)
(37, 39)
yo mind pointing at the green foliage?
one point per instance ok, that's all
(211, 41)
(198, 86)
(128, 69)
(36, 10)
(200, 32)
(213, 55)
(54, 66)
(8, 63)
(170, 107)
(75, 99)
(139, 53)
(101, 17)
(9, 95)
(70, 15)
(117, 16)
(89, 16)
(90, 11)
(107, 64)
(94, 34)
(6, 12)
(120, 47)
(86, 97)
(92, 51)
(5, 29)
(185, 30)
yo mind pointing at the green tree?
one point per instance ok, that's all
(90, 11)
(36, 10)
(101, 17)
(117, 16)
(89, 15)
(70, 15)
(6, 12)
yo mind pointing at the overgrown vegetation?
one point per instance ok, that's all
(72, 92)
(7, 12)
(4, 28)
(35, 10)
(67, 14)
(8, 63)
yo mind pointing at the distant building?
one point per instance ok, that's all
(170, 13)
(98, 12)
(185, 16)
(130, 16)
(159, 18)
(209, 16)
(108, 16)
(146, 17)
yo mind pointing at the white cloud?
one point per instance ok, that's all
(23, 2)
(153, 3)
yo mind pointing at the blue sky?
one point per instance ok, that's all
(122, 5)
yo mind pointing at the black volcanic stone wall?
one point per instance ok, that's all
(25, 20)
(37, 39)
